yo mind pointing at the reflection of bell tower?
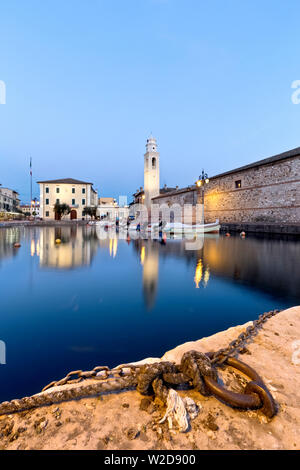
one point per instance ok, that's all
(151, 171)
(150, 275)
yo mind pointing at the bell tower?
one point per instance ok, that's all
(151, 171)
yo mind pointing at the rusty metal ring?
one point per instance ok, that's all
(256, 395)
(269, 406)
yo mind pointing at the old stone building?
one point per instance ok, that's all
(9, 200)
(267, 191)
(77, 194)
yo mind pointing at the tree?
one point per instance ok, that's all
(92, 211)
(61, 210)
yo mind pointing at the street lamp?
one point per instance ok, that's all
(201, 182)
(32, 205)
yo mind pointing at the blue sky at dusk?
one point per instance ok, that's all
(88, 81)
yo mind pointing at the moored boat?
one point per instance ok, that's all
(189, 228)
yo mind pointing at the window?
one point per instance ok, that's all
(57, 201)
(47, 190)
(57, 190)
(238, 184)
(153, 162)
(47, 213)
(73, 190)
(73, 202)
(47, 202)
(83, 190)
(83, 202)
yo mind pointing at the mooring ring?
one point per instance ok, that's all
(256, 395)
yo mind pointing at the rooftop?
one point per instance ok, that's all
(163, 190)
(65, 181)
(266, 161)
(276, 158)
(9, 189)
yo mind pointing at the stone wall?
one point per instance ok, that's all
(267, 193)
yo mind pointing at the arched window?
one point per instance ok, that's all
(153, 162)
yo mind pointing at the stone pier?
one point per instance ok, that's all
(125, 420)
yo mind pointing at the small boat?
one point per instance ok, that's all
(189, 228)
(105, 224)
(178, 228)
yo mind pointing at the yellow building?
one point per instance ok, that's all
(77, 194)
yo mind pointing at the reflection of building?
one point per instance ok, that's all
(77, 247)
(202, 274)
(149, 257)
(259, 263)
(77, 194)
(255, 263)
(150, 274)
(8, 236)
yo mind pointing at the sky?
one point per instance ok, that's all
(87, 82)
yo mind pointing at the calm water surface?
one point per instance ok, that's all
(91, 302)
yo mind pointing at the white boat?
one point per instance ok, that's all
(105, 224)
(189, 228)
(179, 228)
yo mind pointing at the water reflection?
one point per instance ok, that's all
(77, 247)
(150, 261)
(270, 265)
(113, 247)
(8, 237)
(201, 274)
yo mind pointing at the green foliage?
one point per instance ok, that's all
(61, 209)
(92, 211)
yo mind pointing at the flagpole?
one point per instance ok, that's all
(30, 183)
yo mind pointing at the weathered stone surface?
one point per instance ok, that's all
(106, 424)
(269, 193)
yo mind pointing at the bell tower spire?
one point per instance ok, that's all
(151, 171)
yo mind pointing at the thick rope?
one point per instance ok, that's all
(176, 411)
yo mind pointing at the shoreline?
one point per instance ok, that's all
(262, 228)
(123, 420)
(41, 223)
